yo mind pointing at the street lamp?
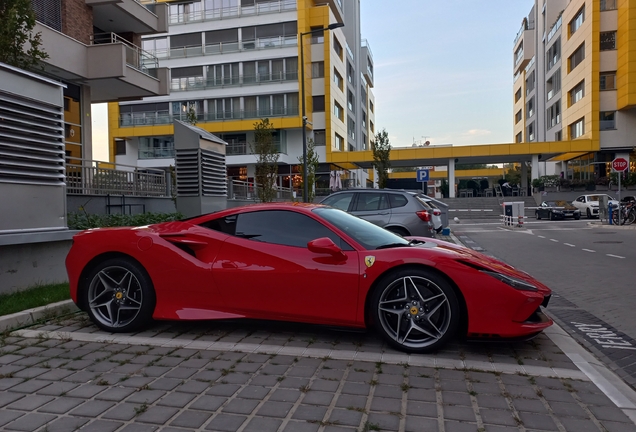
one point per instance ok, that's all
(302, 98)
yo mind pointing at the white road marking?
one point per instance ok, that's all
(589, 250)
(554, 240)
(568, 244)
(615, 256)
(541, 236)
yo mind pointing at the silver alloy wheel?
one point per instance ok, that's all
(115, 296)
(414, 311)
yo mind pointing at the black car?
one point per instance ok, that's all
(557, 210)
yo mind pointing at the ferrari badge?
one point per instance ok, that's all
(369, 260)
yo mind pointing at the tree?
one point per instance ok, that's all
(266, 160)
(381, 157)
(16, 34)
(191, 116)
(312, 166)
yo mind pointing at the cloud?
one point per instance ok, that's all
(477, 132)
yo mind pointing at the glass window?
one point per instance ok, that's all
(283, 227)
(318, 69)
(518, 116)
(530, 108)
(371, 201)
(337, 47)
(608, 120)
(320, 138)
(339, 144)
(318, 103)
(337, 78)
(554, 114)
(577, 21)
(608, 81)
(577, 128)
(518, 95)
(519, 137)
(340, 201)
(608, 41)
(577, 93)
(554, 54)
(338, 111)
(397, 200)
(578, 56)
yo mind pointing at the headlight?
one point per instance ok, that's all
(517, 284)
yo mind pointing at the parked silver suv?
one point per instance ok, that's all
(398, 211)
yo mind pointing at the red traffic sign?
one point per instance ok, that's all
(620, 164)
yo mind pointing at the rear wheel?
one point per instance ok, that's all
(537, 215)
(399, 231)
(119, 295)
(588, 213)
(552, 217)
(416, 310)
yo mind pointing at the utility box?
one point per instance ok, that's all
(513, 213)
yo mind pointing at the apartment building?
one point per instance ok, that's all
(234, 62)
(94, 49)
(574, 79)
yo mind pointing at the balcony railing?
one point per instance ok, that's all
(608, 5)
(88, 177)
(227, 47)
(245, 148)
(150, 118)
(136, 57)
(199, 83)
(237, 189)
(233, 12)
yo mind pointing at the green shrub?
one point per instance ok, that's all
(82, 221)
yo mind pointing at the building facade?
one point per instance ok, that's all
(574, 78)
(235, 62)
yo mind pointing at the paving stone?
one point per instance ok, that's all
(7, 416)
(225, 423)
(420, 424)
(223, 389)
(295, 383)
(391, 380)
(10, 358)
(260, 424)
(617, 427)
(165, 384)
(240, 406)
(325, 385)
(491, 401)
(318, 398)
(385, 421)
(30, 402)
(535, 406)
(487, 388)
(58, 388)
(156, 371)
(461, 413)
(30, 372)
(388, 391)
(181, 373)
(309, 412)
(453, 386)
(453, 426)
(176, 399)
(103, 366)
(146, 396)
(609, 413)
(301, 426)
(7, 383)
(115, 394)
(208, 403)
(157, 415)
(572, 424)
(254, 392)
(286, 395)
(136, 382)
(122, 411)
(346, 417)
(81, 377)
(568, 409)
(264, 380)
(92, 408)
(422, 395)
(190, 419)
(356, 388)
(196, 387)
(497, 417)
(66, 424)
(86, 391)
(61, 405)
(595, 399)
(274, 409)
(455, 398)
(29, 422)
(139, 428)
(422, 409)
(558, 396)
(538, 421)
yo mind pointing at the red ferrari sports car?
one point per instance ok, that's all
(304, 263)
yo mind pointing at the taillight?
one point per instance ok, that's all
(437, 212)
(424, 216)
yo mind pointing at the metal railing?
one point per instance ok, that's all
(150, 118)
(88, 177)
(136, 57)
(608, 5)
(199, 83)
(245, 148)
(227, 47)
(237, 189)
(233, 12)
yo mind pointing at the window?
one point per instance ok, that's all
(320, 138)
(531, 132)
(338, 111)
(350, 73)
(371, 106)
(578, 56)
(318, 69)
(340, 201)
(373, 201)
(553, 84)
(337, 78)
(577, 128)
(558, 136)
(530, 83)
(577, 93)
(397, 200)
(608, 120)
(518, 117)
(608, 5)
(530, 108)
(318, 103)
(372, 127)
(120, 147)
(337, 47)
(608, 41)
(554, 114)
(351, 128)
(519, 137)
(351, 100)
(281, 227)
(318, 37)
(518, 95)
(339, 144)
(608, 81)
(577, 21)
(554, 54)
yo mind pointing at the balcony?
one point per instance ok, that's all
(113, 67)
(129, 16)
(335, 6)
(523, 47)
(244, 148)
(152, 118)
(200, 83)
(227, 47)
(365, 53)
(233, 12)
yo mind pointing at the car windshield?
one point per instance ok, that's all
(598, 197)
(368, 235)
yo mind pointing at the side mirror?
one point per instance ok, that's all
(325, 245)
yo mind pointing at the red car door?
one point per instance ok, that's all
(266, 270)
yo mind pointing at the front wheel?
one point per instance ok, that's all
(588, 213)
(119, 295)
(552, 217)
(416, 310)
(537, 215)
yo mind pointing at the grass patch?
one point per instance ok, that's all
(33, 297)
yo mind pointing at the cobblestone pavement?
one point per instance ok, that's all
(261, 376)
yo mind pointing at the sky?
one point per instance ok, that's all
(442, 71)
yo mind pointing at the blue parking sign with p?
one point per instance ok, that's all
(422, 175)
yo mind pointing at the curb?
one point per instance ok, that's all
(31, 316)
(619, 227)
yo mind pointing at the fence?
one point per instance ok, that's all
(237, 189)
(87, 177)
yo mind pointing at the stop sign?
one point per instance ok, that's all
(619, 164)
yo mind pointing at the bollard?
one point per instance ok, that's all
(520, 222)
(610, 209)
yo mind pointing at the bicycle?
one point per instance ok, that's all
(627, 214)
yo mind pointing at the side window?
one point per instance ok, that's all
(340, 201)
(397, 200)
(283, 227)
(225, 225)
(371, 201)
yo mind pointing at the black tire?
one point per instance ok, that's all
(551, 216)
(537, 215)
(577, 217)
(432, 316)
(588, 213)
(399, 231)
(119, 287)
